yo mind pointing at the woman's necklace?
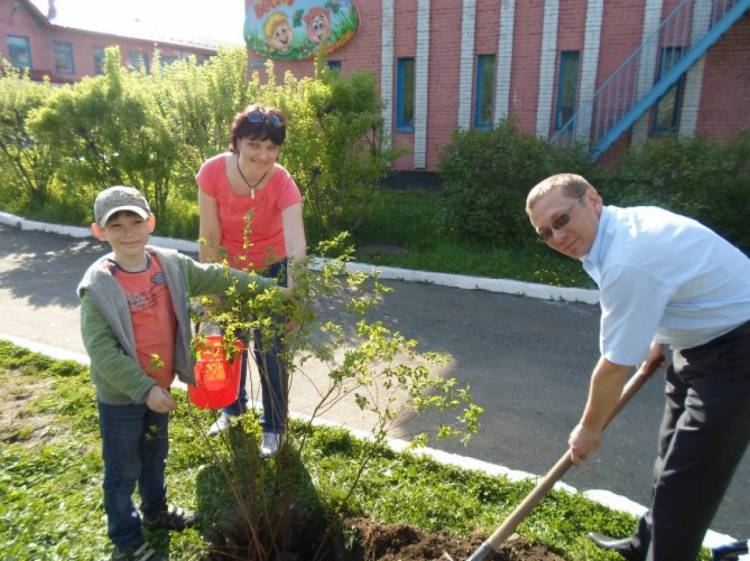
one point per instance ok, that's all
(242, 175)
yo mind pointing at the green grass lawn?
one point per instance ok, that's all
(50, 487)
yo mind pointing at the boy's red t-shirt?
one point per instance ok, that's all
(153, 317)
(266, 244)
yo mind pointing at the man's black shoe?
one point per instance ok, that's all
(622, 546)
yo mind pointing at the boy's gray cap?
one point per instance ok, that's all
(119, 198)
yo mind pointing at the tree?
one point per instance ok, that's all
(27, 165)
(381, 371)
(107, 131)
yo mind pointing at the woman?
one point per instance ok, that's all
(247, 181)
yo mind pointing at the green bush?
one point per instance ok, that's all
(108, 131)
(26, 166)
(705, 180)
(335, 149)
(61, 146)
(487, 176)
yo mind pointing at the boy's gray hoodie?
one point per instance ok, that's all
(107, 329)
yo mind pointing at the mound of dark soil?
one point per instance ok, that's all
(367, 540)
(399, 542)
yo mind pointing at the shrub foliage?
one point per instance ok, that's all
(25, 166)
(61, 145)
(487, 176)
(696, 177)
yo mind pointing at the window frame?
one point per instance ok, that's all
(99, 58)
(564, 68)
(11, 48)
(63, 48)
(403, 124)
(144, 60)
(479, 89)
(677, 89)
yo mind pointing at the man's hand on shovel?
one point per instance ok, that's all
(604, 402)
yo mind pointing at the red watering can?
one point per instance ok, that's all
(217, 380)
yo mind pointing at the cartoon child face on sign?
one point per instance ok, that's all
(318, 22)
(278, 32)
(297, 29)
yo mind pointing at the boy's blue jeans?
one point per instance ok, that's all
(134, 447)
(273, 373)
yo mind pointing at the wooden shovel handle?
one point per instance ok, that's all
(563, 464)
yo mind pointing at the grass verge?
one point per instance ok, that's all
(404, 229)
(50, 487)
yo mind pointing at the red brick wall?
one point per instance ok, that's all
(404, 45)
(679, 22)
(622, 31)
(571, 27)
(726, 79)
(527, 49)
(17, 19)
(442, 92)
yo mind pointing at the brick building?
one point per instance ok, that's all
(30, 39)
(609, 74)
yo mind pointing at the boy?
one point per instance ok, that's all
(136, 329)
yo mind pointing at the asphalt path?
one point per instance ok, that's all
(527, 360)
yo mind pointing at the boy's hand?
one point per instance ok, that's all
(160, 400)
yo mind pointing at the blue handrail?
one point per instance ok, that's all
(619, 102)
(672, 75)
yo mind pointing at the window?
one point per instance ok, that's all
(19, 52)
(484, 93)
(98, 60)
(138, 60)
(166, 60)
(63, 54)
(334, 65)
(667, 110)
(567, 90)
(405, 95)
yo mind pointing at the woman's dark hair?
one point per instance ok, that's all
(258, 122)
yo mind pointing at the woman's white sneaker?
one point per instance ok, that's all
(224, 422)
(269, 444)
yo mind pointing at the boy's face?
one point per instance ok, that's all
(128, 235)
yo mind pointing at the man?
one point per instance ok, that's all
(663, 279)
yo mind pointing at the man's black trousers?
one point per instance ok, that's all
(704, 433)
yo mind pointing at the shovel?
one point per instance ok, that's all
(492, 544)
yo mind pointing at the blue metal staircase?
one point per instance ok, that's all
(622, 99)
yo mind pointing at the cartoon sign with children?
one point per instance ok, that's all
(296, 29)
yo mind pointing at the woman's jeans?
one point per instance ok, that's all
(273, 372)
(134, 448)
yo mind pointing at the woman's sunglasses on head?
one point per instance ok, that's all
(257, 117)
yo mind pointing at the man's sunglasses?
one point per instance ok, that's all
(545, 234)
(257, 117)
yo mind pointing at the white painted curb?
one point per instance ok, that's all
(504, 286)
(603, 497)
